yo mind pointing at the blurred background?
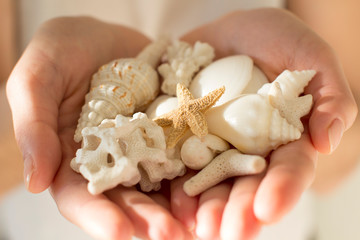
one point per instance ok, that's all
(23, 216)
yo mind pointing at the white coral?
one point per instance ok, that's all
(113, 152)
(183, 62)
(228, 164)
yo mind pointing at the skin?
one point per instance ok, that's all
(319, 15)
(46, 92)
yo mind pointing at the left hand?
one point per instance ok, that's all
(276, 40)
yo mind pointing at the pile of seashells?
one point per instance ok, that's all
(221, 118)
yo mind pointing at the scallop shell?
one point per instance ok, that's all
(237, 73)
(251, 124)
(122, 86)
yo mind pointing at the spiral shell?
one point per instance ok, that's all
(251, 124)
(122, 86)
(292, 83)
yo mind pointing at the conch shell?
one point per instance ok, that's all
(258, 123)
(237, 73)
(122, 86)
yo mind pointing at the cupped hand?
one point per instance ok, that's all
(46, 91)
(276, 40)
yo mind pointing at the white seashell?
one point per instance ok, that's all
(161, 105)
(183, 62)
(257, 81)
(228, 164)
(237, 73)
(121, 151)
(292, 109)
(251, 124)
(284, 94)
(121, 87)
(196, 153)
(292, 83)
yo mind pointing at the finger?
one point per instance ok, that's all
(96, 215)
(160, 199)
(183, 207)
(239, 221)
(211, 207)
(150, 219)
(335, 109)
(290, 173)
(34, 94)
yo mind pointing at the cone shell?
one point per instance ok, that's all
(251, 124)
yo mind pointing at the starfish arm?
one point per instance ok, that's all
(183, 94)
(175, 135)
(165, 119)
(210, 99)
(163, 122)
(198, 124)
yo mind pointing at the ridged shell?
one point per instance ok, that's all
(121, 87)
(131, 75)
(292, 83)
(251, 124)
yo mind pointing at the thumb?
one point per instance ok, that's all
(334, 110)
(34, 112)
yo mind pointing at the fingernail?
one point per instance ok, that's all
(335, 132)
(28, 170)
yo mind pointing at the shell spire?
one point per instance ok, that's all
(122, 86)
(251, 124)
(153, 52)
(280, 131)
(292, 83)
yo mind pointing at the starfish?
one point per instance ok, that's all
(290, 108)
(188, 114)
